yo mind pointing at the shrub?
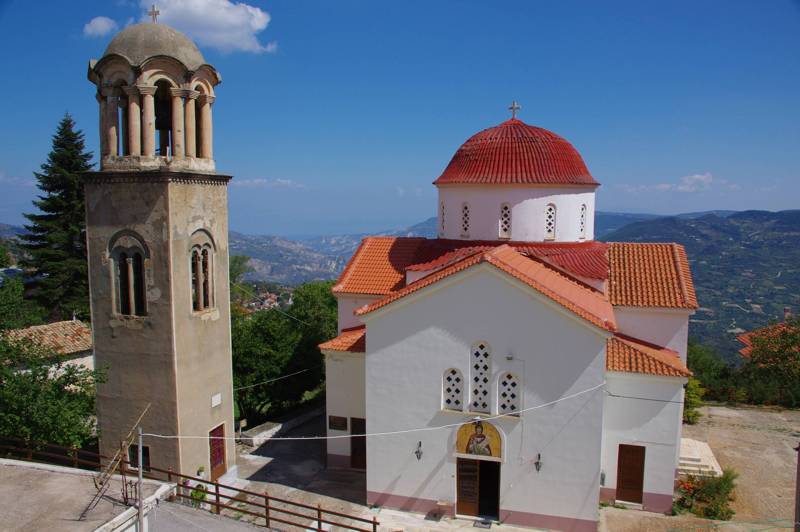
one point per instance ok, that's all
(707, 496)
(692, 401)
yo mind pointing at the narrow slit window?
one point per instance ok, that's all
(465, 220)
(452, 390)
(505, 221)
(550, 222)
(583, 221)
(480, 374)
(508, 394)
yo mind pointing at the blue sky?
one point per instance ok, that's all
(336, 116)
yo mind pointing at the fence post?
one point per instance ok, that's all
(374, 524)
(169, 474)
(29, 448)
(266, 508)
(216, 491)
(74, 457)
(319, 518)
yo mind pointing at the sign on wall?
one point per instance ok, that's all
(480, 438)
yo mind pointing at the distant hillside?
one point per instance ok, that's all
(746, 268)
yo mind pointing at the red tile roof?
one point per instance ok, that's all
(378, 267)
(516, 153)
(583, 301)
(62, 337)
(630, 355)
(352, 340)
(650, 275)
(748, 337)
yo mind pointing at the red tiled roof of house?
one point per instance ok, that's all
(515, 153)
(378, 267)
(630, 355)
(352, 340)
(574, 296)
(650, 275)
(63, 337)
(747, 338)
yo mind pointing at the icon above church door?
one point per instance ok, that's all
(479, 439)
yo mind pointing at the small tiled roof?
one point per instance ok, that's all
(580, 299)
(352, 340)
(650, 275)
(515, 153)
(63, 337)
(630, 355)
(378, 265)
(748, 337)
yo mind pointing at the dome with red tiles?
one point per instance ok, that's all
(514, 153)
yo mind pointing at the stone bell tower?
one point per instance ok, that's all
(157, 230)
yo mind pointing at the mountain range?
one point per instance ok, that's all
(746, 265)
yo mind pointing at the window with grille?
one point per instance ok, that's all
(550, 222)
(465, 219)
(201, 257)
(129, 282)
(505, 221)
(480, 374)
(583, 221)
(508, 394)
(452, 390)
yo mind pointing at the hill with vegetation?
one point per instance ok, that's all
(746, 268)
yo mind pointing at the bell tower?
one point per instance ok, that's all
(157, 232)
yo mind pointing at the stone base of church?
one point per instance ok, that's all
(651, 502)
(511, 517)
(338, 461)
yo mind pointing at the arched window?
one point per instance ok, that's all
(505, 221)
(129, 283)
(202, 268)
(452, 390)
(480, 374)
(508, 394)
(441, 218)
(163, 112)
(550, 222)
(583, 221)
(465, 220)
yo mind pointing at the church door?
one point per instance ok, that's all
(216, 453)
(630, 473)
(358, 445)
(467, 482)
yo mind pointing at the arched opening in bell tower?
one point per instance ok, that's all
(163, 111)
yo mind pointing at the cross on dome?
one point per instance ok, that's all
(514, 107)
(154, 13)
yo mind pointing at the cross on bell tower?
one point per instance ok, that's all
(514, 107)
(154, 13)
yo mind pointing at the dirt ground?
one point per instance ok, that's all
(758, 443)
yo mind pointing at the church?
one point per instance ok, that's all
(514, 368)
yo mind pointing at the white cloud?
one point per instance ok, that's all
(99, 27)
(221, 24)
(14, 180)
(686, 184)
(261, 182)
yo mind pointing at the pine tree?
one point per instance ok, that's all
(56, 242)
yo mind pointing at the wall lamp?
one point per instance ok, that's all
(538, 463)
(418, 451)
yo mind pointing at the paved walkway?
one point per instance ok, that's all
(171, 517)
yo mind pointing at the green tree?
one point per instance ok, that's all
(692, 400)
(238, 267)
(5, 256)
(772, 371)
(717, 378)
(55, 240)
(15, 311)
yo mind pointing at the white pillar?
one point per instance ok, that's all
(178, 140)
(111, 126)
(206, 127)
(101, 100)
(149, 119)
(191, 124)
(134, 122)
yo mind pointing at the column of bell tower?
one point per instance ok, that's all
(147, 212)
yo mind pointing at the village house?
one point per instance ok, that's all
(513, 368)
(69, 341)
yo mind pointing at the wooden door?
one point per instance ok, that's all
(467, 486)
(630, 473)
(358, 445)
(216, 447)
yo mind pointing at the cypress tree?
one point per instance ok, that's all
(55, 241)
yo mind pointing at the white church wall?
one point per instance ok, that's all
(344, 397)
(347, 304)
(652, 420)
(414, 341)
(528, 206)
(665, 327)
